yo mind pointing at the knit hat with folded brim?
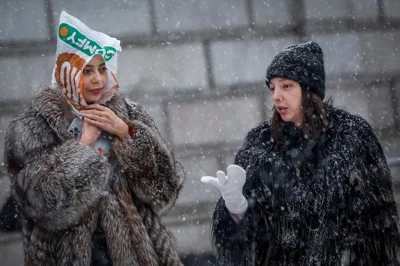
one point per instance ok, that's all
(303, 63)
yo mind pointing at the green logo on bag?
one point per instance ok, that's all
(73, 37)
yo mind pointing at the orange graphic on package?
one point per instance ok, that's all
(68, 71)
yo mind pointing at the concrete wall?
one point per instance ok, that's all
(199, 66)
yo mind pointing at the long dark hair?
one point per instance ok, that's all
(315, 121)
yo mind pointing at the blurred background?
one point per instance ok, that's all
(198, 66)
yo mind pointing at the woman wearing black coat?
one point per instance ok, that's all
(311, 186)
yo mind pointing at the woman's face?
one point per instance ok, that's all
(94, 79)
(287, 96)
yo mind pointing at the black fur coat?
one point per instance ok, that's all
(65, 188)
(325, 202)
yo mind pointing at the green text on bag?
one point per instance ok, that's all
(76, 39)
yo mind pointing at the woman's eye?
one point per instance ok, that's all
(86, 71)
(285, 86)
(102, 70)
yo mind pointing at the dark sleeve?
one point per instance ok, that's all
(233, 240)
(53, 184)
(371, 230)
(153, 172)
(375, 204)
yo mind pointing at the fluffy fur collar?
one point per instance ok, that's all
(54, 107)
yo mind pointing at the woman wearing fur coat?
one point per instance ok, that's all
(309, 187)
(84, 206)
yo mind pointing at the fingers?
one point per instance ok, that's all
(104, 120)
(96, 107)
(103, 126)
(221, 177)
(94, 123)
(95, 112)
(210, 180)
(94, 115)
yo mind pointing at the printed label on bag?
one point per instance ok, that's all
(76, 39)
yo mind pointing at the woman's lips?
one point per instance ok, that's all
(97, 91)
(282, 110)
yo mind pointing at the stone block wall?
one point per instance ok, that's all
(199, 67)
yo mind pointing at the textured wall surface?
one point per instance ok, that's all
(199, 67)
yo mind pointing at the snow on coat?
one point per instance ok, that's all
(324, 202)
(64, 187)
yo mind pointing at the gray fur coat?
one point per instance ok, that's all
(64, 188)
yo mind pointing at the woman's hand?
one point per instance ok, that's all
(90, 133)
(231, 187)
(104, 118)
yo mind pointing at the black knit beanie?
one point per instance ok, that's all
(303, 63)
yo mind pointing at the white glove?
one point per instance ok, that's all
(231, 188)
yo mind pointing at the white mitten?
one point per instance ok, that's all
(231, 187)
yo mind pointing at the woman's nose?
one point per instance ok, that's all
(276, 96)
(97, 77)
